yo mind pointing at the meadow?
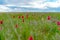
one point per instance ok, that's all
(30, 26)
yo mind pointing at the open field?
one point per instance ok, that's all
(29, 26)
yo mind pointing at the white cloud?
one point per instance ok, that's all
(53, 4)
(39, 4)
(43, 4)
(3, 8)
(9, 5)
(6, 8)
(33, 4)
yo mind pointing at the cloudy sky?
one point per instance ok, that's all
(29, 5)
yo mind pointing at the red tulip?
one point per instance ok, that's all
(22, 17)
(30, 38)
(49, 17)
(58, 23)
(18, 16)
(16, 25)
(1, 22)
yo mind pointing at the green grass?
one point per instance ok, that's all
(40, 29)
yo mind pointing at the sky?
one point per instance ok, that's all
(29, 5)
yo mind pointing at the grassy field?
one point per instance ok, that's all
(34, 27)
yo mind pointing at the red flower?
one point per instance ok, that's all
(16, 25)
(30, 38)
(22, 17)
(49, 17)
(1, 22)
(18, 16)
(58, 23)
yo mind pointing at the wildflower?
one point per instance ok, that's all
(30, 38)
(58, 23)
(22, 17)
(49, 17)
(18, 16)
(1, 22)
